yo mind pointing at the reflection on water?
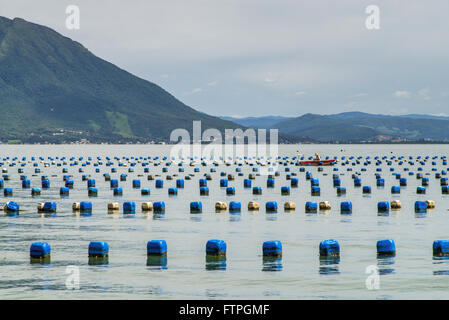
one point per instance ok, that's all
(97, 261)
(420, 214)
(443, 264)
(41, 261)
(157, 262)
(215, 262)
(196, 217)
(329, 265)
(158, 216)
(234, 216)
(385, 264)
(271, 216)
(272, 264)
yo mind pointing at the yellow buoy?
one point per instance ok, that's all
(396, 204)
(325, 205)
(253, 206)
(220, 205)
(289, 205)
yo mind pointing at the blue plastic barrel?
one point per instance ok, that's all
(136, 183)
(45, 183)
(366, 189)
(203, 182)
(285, 190)
(271, 206)
(180, 183)
(294, 182)
(196, 207)
(272, 248)
(26, 184)
(315, 190)
(91, 191)
(91, 183)
(40, 250)
(337, 182)
(346, 207)
(117, 191)
(440, 248)
(98, 249)
(235, 206)
(114, 183)
(383, 206)
(230, 191)
(129, 207)
(421, 190)
(85, 207)
(159, 183)
(157, 248)
(386, 247)
(329, 248)
(69, 183)
(395, 190)
(159, 207)
(341, 190)
(311, 207)
(257, 190)
(216, 247)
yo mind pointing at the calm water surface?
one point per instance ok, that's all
(412, 274)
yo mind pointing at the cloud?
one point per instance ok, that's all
(269, 80)
(194, 91)
(424, 93)
(402, 94)
(300, 93)
(358, 95)
(270, 51)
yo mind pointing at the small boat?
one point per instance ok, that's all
(314, 162)
(318, 162)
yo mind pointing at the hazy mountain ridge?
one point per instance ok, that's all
(363, 127)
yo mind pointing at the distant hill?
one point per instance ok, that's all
(358, 127)
(54, 89)
(426, 116)
(355, 127)
(256, 122)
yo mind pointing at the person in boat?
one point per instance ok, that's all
(317, 157)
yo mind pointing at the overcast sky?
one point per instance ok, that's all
(269, 57)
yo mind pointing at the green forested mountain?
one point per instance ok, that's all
(53, 89)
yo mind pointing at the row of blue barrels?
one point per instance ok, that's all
(314, 182)
(216, 247)
(144, 161)
(86, 207)
(238, 169)
(197, 206)
(136, 183)
(204, 191)
(212, 158)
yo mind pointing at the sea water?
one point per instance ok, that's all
(411, 274)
